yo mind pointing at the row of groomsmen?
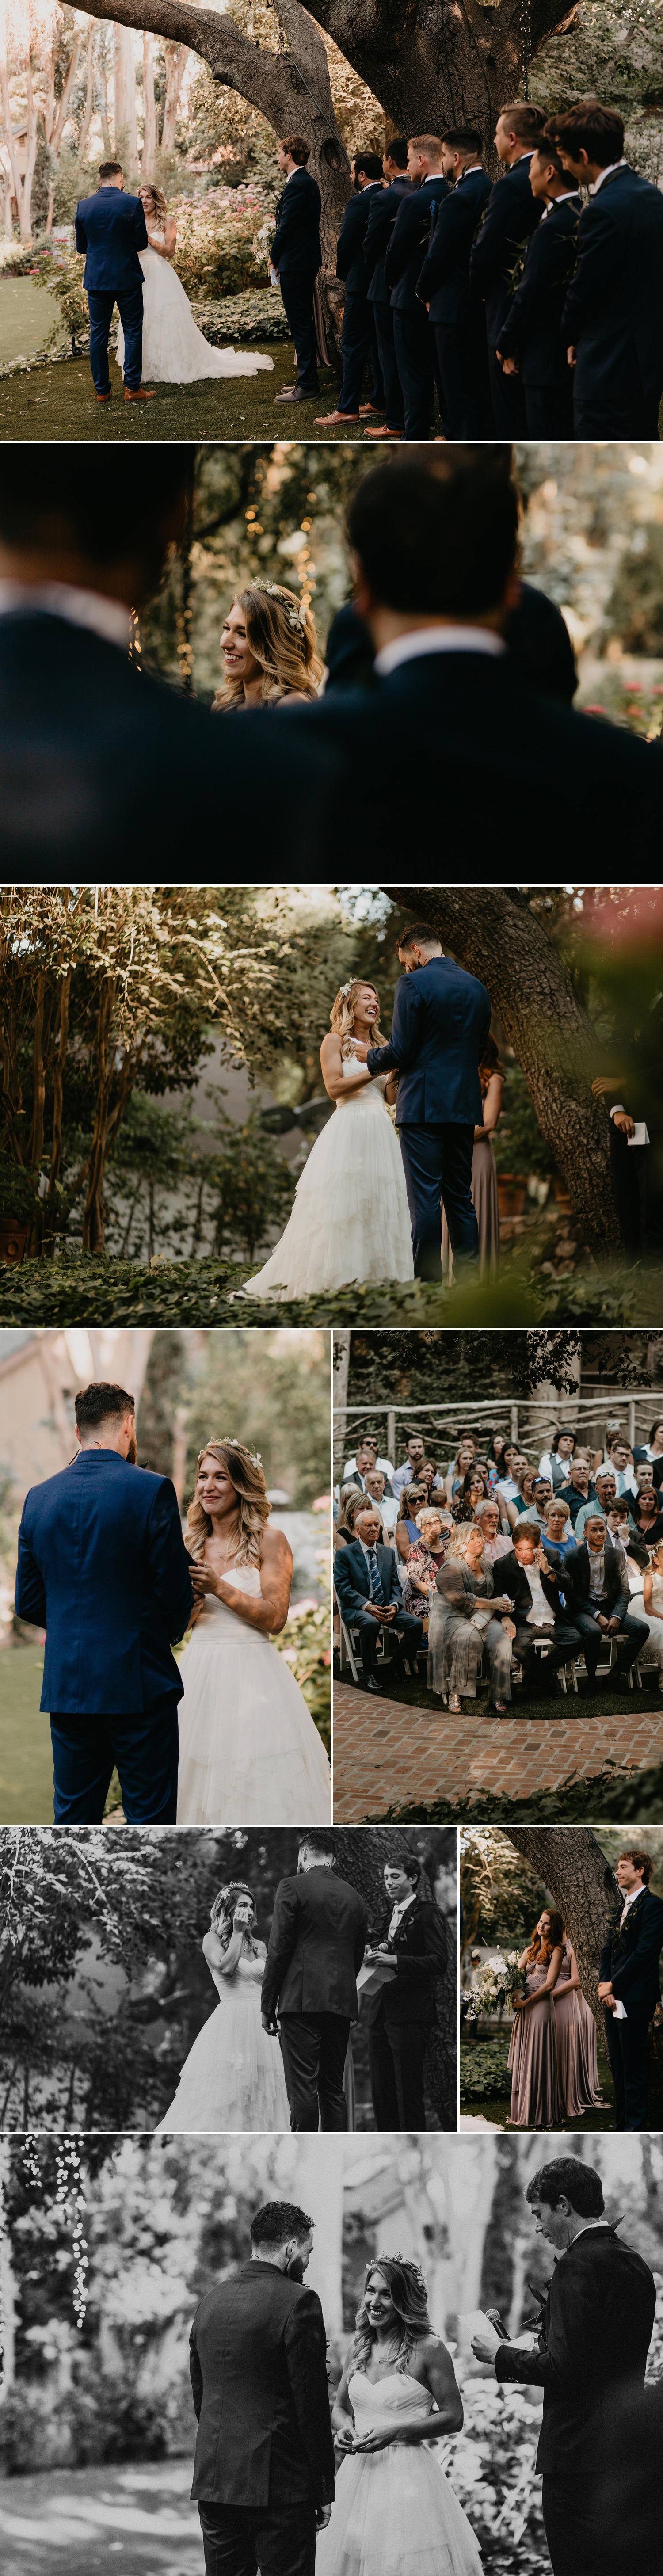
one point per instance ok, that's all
(537, 312)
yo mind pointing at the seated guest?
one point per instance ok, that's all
(464, 1458)
(366, 1456)
(558, 1535)
(410, 1472)
(612, 322)
(382, 217)
(357, 335)
(597, 1600)
(647, 1603)
(531, 1579)
(537, 1510)
(604, 1492)
(427, 1475)
(516, 1466)
(466, 1619)
(444, 287)
(343, 1520)
(510, 216)
(435, 573)
(369, 1597)
(647, 1516)
(413, 339)
(523, 1498)
(424, 1561)
(653, 1450)
(413, 1499)
(530, 343)
(621, 1460)
(374, 1486)
(579, 1487)
(471, 1492)
(620, 1532)
(495, 1540)
(555, 1461)
(296, 256)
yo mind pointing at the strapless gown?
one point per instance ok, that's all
(395, 2512)
(350, 1219)
(249, 1751)
(175, 352)
(233, 2076)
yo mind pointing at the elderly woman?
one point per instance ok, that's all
(414, 1499)
(425, 1559)
(468, 1615)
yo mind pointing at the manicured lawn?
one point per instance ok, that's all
(26, 1768)
(236, 407)
(83, 2521)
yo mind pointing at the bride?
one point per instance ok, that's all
(249, 1751)
(233, 2076)
(174, 350)
(350, 1219)
(398, 2394)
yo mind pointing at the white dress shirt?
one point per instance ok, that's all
(106, 617)
(540, 1615)
(399, 1910)
(595, 184)
(436, 639)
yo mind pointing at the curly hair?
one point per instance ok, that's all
(281, 635)
(458, 1543)
(409, 2298)
(247, 1477)
(148, 187)
(221, 1917)
(342, 1014)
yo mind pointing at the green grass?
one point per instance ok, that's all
(26, 1766)
(236, 407)
(27, 315)
(485, 2086)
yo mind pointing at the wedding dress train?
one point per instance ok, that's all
(394, 2509)
(249, 1751)
(175, 352)
(233, 2076)
(350, 1219)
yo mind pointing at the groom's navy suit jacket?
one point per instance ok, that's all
(259, 2380)
(111, 229)
(594, 2337)
(102, 1563)
(631, 1958)
(316, 1946)
(441, 1021)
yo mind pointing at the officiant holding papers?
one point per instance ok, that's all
(408, 1950)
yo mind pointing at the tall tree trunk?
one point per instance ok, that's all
(583, 1886)
(148, 156)
(22, 187)
(552, 1036)
(341, 1369)
(88, 110)
(176, 61)
(125, 95)
(58, 1080)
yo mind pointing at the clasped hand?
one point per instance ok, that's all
(486, 2344)
(611, 1625)
(606, 1994)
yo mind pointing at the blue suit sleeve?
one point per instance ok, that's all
(348, 1593)
(400, 1052)
(30, 1594)
(281, 1944)
(141, 235)
(168, 1562)
(599, 262)
(81, 235)
(487, 252)
(523, 313)
(450, 227)
(402, 240)
(647, 1954)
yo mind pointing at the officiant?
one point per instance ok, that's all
(407, 1951)
(295, 257)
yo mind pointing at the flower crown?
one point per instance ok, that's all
(223, 1893)
(295, 616)
(219, 1441)
(408, 2266)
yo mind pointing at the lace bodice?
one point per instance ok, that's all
(371, 1092)
(374, 2406)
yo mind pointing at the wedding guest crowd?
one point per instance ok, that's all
(534, 304)
(509, 1580)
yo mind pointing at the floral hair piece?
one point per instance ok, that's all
(224, 1892)
(345, 988)
(408, 2266)
(295, 616)
(220, 1442)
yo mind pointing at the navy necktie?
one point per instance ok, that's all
(374, 1571)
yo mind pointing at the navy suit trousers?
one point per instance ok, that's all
(593, 1638)
(627, 2051)
(549, 409)
(358, 338)
(413, 343)
(508, 401)
(129, 301)
(604, 415)
(463, 368)
(405, 1627)
(437, 1162)
(393, 394)
(143, 1749)
(243, 2537)
(297, 293)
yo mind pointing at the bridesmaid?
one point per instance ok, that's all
(484, 1174)
(535, 2093)
(577, 2067)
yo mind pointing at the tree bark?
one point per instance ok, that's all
(176, 62)
(583, 1886)
(552, 1036)
(341, 1367)
(148, 155)
(125, 91)
(432, 65)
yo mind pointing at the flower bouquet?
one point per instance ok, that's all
(495, 1985)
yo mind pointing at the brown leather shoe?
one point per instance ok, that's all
(384, 433)
(105, 397)
(138, 393)
(333, 419)
(371, 411)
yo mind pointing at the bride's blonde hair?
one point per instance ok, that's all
(245, 1470)
(148, 188)
(281, 635)
(342, 1014)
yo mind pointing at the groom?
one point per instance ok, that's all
(316, 1946)
(593, 2340)
(264, 2467)
(441, 1022)
(629, 1986)
(103, 1567)
(111, 228)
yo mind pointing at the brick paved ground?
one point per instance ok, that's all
(388, 1753)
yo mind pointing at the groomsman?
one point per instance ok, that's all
(530, 341)
(382, 214)
(358, 324)
(509, 217)
(613, 316)
(444, 286)
(296, 255)
(413, 338)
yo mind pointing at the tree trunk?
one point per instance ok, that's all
(341, 1367)
(552, 1036)
(433, 63)
(89, 96)
(176, 61)
(148, 155)
(583, 1886)
(125, 92)
(22, 187)
(57, 118)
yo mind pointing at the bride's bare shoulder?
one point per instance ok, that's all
(330, 1051)
(274, 1548)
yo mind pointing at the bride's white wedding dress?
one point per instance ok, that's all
(395, 2512)
(175, 352)
(350, 1219)
(233, 2076)
(249, 1751)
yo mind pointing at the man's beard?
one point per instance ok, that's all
(296, 2268)
(132, 1452)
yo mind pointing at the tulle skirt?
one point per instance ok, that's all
(175, 352)
(396, 2515)
(350, 1219)
(249, 1751)
(233, 2076)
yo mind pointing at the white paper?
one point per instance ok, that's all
(273, 275)
(640, 1134)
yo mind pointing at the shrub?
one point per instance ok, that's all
(483, 2069)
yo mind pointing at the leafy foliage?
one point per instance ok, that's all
(634, 1795)
(483, 2069)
